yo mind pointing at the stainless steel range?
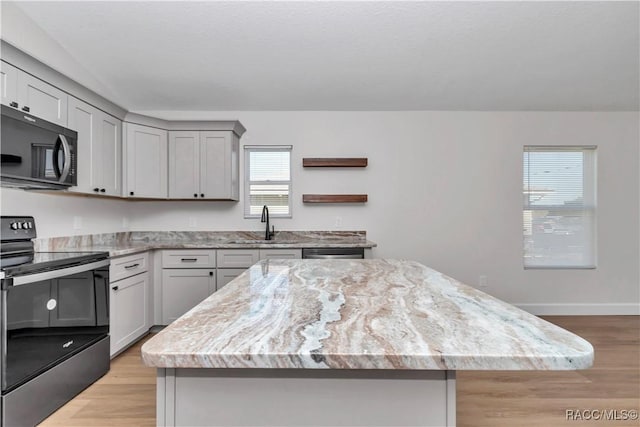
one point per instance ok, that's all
(54, 324)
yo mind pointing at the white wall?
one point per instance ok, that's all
(54, 214)
(444, 189)
(20, 31)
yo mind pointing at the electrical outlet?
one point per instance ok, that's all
(192, 222)
(125, 222)
(338, 221)
(77, 222)
(483, 282)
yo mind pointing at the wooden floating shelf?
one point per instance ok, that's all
(334, 162)
(334, 198)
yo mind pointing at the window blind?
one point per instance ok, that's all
(559, 207)
(267, 180)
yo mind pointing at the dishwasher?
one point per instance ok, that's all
(333, 253)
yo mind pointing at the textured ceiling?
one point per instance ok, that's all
(354, 55)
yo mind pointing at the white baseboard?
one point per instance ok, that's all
(581, 309)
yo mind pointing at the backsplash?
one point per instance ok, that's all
(122, 238)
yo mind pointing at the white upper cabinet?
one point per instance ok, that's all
(111, 144)
(219, 157)
(31, 95)
(184, 164)
(9, 84)
(203, 165)
(99, 149)
(146, 161)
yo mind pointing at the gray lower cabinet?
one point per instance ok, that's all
(237, 258)
(183, 289)
(128, 311)
(188, 277)
(280, 254)
(191, 275)
(225, 275)
(233, 262)
(129, 300)
(189, 258)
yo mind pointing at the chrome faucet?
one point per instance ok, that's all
(268, 234)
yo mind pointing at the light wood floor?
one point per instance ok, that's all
(126, 395)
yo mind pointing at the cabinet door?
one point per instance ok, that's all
(280, 253)
(110, 130)
(216, 171)
(146, 159)
(184, 289)
(8, 83)
(76, 301)
(42, 99)
(83, 118)
(225, 275)
(184, 165)
(128, 311)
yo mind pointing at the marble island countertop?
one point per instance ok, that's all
(126, 243)
(360, 314)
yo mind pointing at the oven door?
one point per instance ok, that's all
(36, 153)
(48, 317)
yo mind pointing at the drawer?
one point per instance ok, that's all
(237, 258)
(128, 266)
(280, 253)
(189, 258)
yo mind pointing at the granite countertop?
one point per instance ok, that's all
(127, 243)
(360, 314)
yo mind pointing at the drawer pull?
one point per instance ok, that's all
(115, 288)
(131, 266)
(189, 259)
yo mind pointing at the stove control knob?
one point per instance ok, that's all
(16, 225)
(26, 225)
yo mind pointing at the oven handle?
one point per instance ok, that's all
(53, 274)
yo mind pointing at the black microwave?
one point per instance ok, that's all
(36, 153)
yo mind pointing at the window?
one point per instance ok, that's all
(559, 207)
(267, 180)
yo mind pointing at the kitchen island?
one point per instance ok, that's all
(343, 342)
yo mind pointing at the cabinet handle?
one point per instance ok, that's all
(102, 190)
(26, 109)
(96, 189)
(14, 104)
(132, 265)
(115, 288)
(211, 273)
(189, 259)
(201, 195)
(195, 195)
(131, 193)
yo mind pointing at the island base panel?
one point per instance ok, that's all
(294, 397)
